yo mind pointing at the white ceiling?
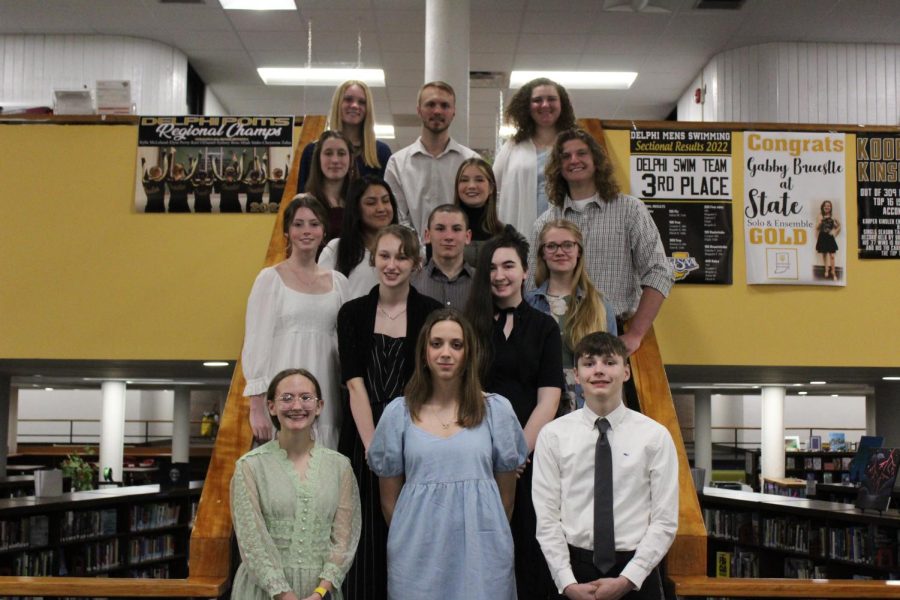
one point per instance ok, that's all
(667, 49)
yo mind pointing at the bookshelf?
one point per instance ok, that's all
(764, 535)
(827, 467)
(137, 531)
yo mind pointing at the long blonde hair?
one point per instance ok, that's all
(587, 315)
(369, 152)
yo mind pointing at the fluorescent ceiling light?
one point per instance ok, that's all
(215, 363)
(817, 382)
(48, 389)
(891, 378)
(319, 76)
(802, 393)
(578, 80)
(384, 132)
(258, 4)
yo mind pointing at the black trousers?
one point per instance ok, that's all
(585, 571)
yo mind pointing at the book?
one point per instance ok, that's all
(879, 478)
(836, 441)
(723, 564)
(857, 465)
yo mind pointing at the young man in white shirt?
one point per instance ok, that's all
(422, 175)
(446, 277)
(573, 474)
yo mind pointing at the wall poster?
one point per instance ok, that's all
(878, 194)
(794, 206)
(212, 164)
(684, 178)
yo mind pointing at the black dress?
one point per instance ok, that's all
(178, 195)
(529, 359)
(385, 364)
(825, 243)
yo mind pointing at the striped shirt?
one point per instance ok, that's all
(623, 251)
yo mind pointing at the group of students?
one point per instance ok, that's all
(453, 373)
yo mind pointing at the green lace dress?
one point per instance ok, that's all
(292, 533)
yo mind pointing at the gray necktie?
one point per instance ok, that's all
(604, 530)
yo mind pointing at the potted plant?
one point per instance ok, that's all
(79, 471)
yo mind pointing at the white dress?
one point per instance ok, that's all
(361, 279)
(287, 329)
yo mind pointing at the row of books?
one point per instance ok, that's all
(850, 543)
(34, 564)
(79, 525)
(793, 534)
(803, 568)
(154, 516)
(817, 463)
(90, 558)
(155, 572)
(738, 526)
(740, 563)
(30, 532)
(150, 548)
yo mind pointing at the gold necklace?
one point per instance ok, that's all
(444, 426)
(388, 315)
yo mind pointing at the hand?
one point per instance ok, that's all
(612, 588)
(260, 421)
(290, 596)
(632, 341)
(313, 596)
(521, 468)
(580, 591)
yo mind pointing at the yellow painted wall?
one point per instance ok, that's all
(83, 276)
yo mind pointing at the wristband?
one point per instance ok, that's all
(326, 595)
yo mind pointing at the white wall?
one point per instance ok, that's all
(61, 406)
(800, 83)
(211, 105)
(32, 66)
(845, 413)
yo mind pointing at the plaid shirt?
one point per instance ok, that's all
(623, 249)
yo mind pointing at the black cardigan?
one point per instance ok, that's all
(356, 324)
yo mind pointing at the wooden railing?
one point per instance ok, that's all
(210, 557)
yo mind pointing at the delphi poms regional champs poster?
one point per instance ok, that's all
(794, 208)
(212, 164)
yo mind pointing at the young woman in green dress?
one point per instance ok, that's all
(294, 503)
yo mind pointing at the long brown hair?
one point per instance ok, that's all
(315, 185)
(587, 315)
(369, 151)
(518, 111)
(471, 410)
(604, 180)
(303, 201)
(490, 222)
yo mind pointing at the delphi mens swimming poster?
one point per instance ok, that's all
(795, 198)
(212, 164)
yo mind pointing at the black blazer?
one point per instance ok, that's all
(356, 324)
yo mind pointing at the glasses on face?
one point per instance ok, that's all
(568, 247)
(305, 399)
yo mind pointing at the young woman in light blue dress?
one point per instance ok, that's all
(446, 456)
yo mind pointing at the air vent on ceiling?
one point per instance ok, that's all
(488, 79)
(719, 4)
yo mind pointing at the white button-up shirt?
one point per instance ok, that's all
(645, 490)
(422, 182)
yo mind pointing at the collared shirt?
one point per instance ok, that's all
(623, 251)
(645, 490)
(433, 282)
(422, 182)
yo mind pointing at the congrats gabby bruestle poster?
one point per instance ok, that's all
(794, 208)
